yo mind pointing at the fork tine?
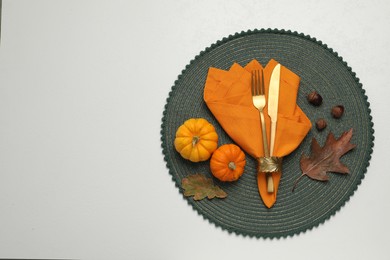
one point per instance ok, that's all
(253, 84)
(262, 83)
(259, 86)
(257, 83)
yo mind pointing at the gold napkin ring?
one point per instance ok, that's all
(270, 164)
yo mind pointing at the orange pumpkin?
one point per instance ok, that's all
(196, 139)
(227, 162)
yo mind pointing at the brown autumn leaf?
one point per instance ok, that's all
(199, 186)
(327, 158)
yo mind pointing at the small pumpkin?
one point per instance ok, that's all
(228, 162)
(196, 139)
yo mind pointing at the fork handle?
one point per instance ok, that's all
(270, 181)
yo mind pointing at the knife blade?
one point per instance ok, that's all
(273, 103)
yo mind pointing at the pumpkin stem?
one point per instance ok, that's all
(195, 140)
(232, 166)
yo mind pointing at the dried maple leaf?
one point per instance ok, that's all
(200, 187)
(327, 158)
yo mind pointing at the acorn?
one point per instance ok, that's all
(321, 124)
(337, 111)
(314, 98)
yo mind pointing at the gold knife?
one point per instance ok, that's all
(273, 103)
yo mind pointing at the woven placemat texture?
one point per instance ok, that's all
(313, 202)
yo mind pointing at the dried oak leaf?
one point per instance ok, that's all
(327, 158)
(199, 186)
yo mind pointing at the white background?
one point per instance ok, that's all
(83, 85)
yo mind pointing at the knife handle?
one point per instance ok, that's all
(270, 183)
(272, 137)
(264, 133)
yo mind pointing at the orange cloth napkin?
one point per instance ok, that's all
(228, 96)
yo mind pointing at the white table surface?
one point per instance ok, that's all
(83, 85)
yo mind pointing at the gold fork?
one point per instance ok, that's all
(259, 101)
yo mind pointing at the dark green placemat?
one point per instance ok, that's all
(321, 69)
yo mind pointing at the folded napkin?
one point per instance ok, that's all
(228, 96)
